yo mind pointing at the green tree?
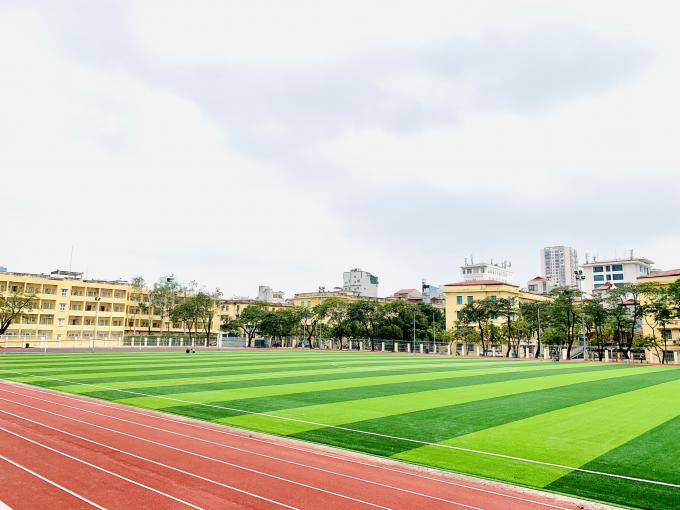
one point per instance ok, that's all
(162, 299)
(13, 306)
(141, 296)
(250, 320)
(279, 324)
(338, 319)
(563, 314)
(535, 315)
(369, 316)
(507, 309)
(658, 312)
(480, 314)
(598, 321)
(625, 311)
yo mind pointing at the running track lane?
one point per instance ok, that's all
(90, 454)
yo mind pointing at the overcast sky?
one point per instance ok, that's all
(281, 143)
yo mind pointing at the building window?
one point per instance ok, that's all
(617, 276)
(493, 298)
(62, 307)
(598, 278)
(458, 315)
(64, 292)
(459, 300)
(60, 322)
(598, 269)
(617, 267)
(470, 299)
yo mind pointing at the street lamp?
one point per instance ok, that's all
(578, 274)
(96, 320)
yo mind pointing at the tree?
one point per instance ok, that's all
(658, 312)
(369, 315)
(338, 319)
(563, 314)
(535, 316)
(479, 313)
(311, 317)
(597, 319)
(186, 313)
(280, 324)
(626, 312)
(205, 308)
(507, 308)
(13, 306)
(250, 320)
(464, 334)
(141, 296)
(163, 298)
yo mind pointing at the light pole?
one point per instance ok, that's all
(579, 278)
(96, 320)
(414, 330)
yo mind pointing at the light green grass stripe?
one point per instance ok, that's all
(570, 436)
(368, 409)
(349, 383)
(206, 374)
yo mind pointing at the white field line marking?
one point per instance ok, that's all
(98, 467)
(51, 482)
(183, 451)
(4, 506)
(376, 434)
(223, 446)
(219, 429)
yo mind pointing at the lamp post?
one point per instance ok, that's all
(578, 274)
(96, 320)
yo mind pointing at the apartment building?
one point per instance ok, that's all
(558, 264)
(614, 271)
(472, 271)
(68, 306)
(362, 282)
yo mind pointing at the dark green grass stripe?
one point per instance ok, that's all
(654, 455)
(303, 378)
(159, 365)
(406, 388)
(385, 369)
(439, 424)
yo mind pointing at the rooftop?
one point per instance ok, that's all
(480, 282)
(670, 272)
(619, 261)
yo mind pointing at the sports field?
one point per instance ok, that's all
(606, 432)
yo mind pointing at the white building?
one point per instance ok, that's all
(540, 285)
(487, 271)
(614, 271)
(3, 269)
(265, 293)
(362, 282)
(558, 264)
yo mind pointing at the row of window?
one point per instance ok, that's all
(470, 299)
(601, 277)
(613, 267)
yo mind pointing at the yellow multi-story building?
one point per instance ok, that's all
(68, 307)
(672, 344)
(70, 310)
(311, 299)
(459, 294)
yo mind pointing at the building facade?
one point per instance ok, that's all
(461, 293)
(266, 294)
(487, 271)
(558, 264)
(361, 282)
(672, 340)
(540, 285)
(615, 271)
(68, 306)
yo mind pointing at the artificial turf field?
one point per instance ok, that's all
(543, 418)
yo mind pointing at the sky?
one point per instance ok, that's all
(282, 143)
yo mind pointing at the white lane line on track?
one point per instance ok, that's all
(244, 435)
(51, 482)
(366, 432)
(182, 451)
(335, 473)
(99, 468)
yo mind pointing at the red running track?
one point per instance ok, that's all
(64, 451)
